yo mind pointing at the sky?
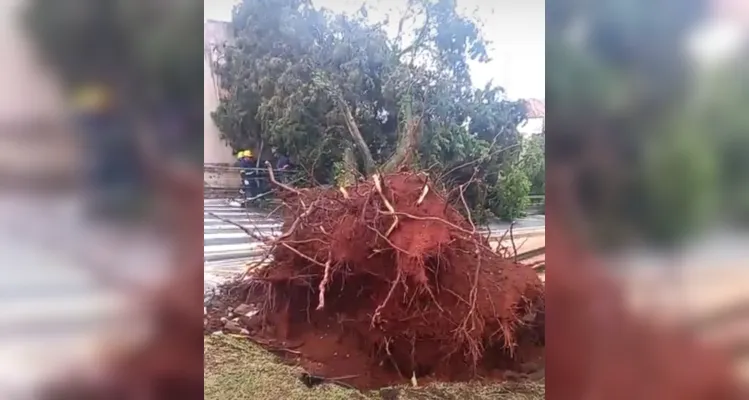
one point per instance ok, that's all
(516, 30)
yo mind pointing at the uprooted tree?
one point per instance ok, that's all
(383, 279)
(385, 275)
(310, 83)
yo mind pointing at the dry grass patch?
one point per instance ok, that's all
(237, 369)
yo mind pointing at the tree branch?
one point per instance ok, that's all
(348, 117)
(419, 41)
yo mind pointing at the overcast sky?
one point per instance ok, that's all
(515, 28)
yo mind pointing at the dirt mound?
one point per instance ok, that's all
(385, 280)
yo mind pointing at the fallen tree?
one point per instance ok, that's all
(400, 279)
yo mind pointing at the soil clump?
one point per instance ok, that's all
(385, 282)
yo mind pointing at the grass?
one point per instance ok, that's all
(237, 369)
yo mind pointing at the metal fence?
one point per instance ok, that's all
(261, 179)
(231, 179)
(537, 204)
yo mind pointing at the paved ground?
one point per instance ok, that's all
(228, 249)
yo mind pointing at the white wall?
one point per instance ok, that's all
(215, 150)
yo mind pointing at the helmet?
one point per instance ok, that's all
(248, 153)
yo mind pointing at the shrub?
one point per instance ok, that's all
(510, 197)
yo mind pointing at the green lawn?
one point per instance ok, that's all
(237, 369)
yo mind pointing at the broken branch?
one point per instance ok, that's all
(284, 186)
(244, 229)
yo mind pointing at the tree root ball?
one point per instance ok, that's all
(386, 281)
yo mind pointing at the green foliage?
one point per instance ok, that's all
(533, 162)
(510, 196)
(339, 173)
(293, 71)
(521, 176)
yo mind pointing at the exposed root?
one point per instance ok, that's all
(294, 225)
(378, 187)
(378, 310)
(300, 254)
(463, 199)
(323, 284)
(251, 266)
(436, 219)
(423, 194)
(426, 296)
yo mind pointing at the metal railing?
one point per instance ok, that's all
(537, 203)
(257, 177)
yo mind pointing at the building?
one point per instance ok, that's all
(215, 150)
(536, 117)
(217, 154)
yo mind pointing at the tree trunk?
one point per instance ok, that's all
(369, 164)
(349, 162)
(408, 140)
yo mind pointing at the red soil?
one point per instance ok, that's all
(428, 299)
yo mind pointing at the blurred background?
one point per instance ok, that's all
(92, 90)
(649, 137)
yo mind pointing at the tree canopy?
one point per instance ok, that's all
(311, 82)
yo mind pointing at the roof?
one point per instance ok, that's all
(536, 108)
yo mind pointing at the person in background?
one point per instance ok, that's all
(245, 163)
(251, 175)
(238, 164)
(283, 165)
